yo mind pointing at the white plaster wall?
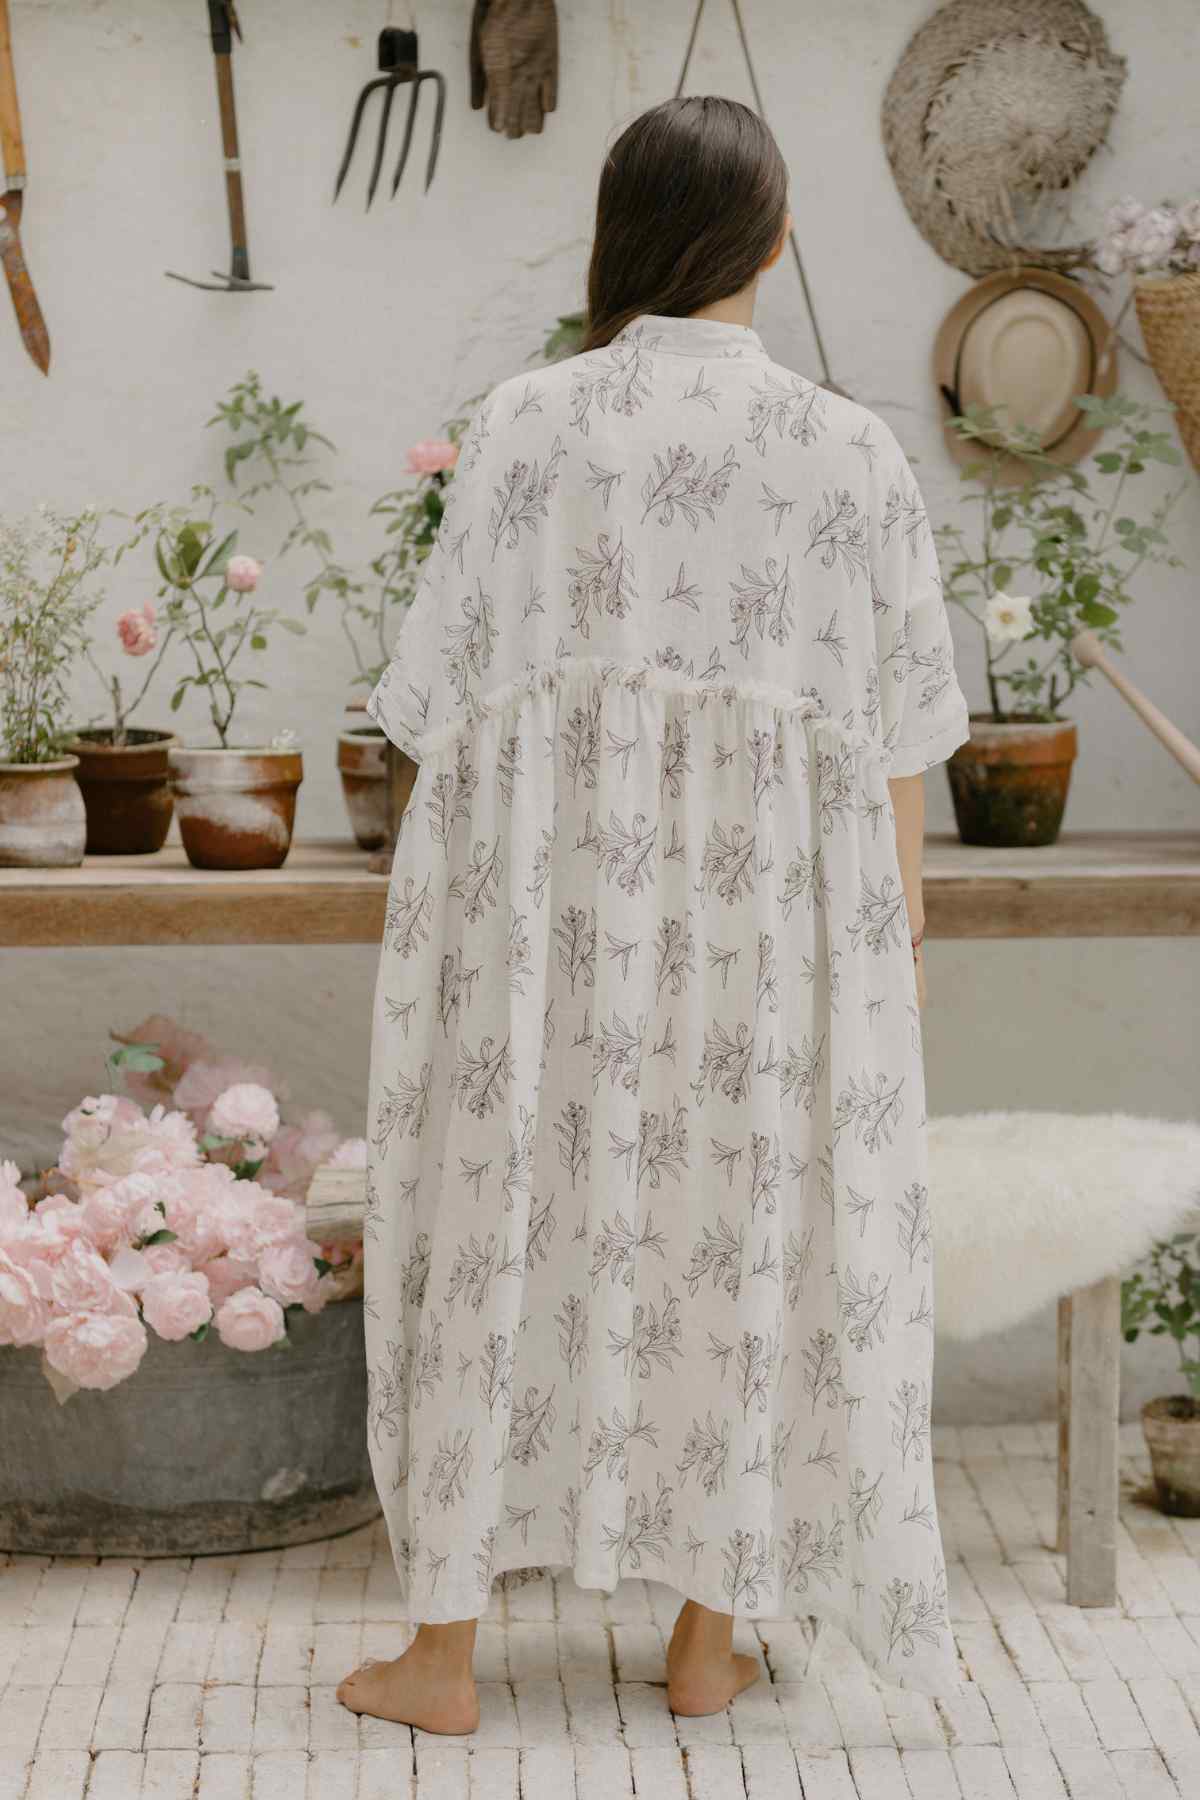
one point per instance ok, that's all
(385, 322)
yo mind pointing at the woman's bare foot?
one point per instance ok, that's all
(704, 1671)
(430, 1686)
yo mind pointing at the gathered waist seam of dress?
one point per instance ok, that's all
(578, 673)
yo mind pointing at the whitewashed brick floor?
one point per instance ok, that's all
(215, 1678)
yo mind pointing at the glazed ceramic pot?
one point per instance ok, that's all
(362, 764)
(236, 808)
(42, 821)
(1009, 782)
(1172, 1428)
(126, 790)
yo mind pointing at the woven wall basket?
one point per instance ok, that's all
(1168, 308)
(994, 109)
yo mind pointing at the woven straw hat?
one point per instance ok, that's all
(995, 106)
(1029, 341)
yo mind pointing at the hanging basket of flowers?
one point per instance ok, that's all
(1159, 246)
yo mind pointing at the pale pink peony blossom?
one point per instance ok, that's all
(297, 1151)
(176, 1305)
(242, 574)
(1122, 214)
(82, 1282)
(138, 630)
(227, 1275)
(95, 1350)
(105, 1217)
(431, 456)
(24, 1314)
(196, 1206)
(14, 1208)
(250, 1320)
(351, 1153)
(246, 1112)
(203, 1082)
(1151, 240)
(287, 1272)
(164, 1259)
(1111, 254)
(110, 1137)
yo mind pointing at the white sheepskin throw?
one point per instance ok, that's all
(1030, 1205)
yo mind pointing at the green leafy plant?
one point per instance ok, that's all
(1069, 540)
(1163, 1299)
(208, 600)
(49, 569)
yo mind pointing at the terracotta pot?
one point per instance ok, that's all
(126, 790)
(42, 821)
(1172, 1428)
(236, 808)
(362, 763)
(1010, 781)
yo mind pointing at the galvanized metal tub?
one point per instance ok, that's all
(203, 1451)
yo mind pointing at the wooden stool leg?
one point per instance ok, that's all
(1089, 1348)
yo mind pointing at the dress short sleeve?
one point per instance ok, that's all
(922, 711)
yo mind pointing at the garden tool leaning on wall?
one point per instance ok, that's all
(223, 23)
(514, 63)
(12, 194)
(400, 64)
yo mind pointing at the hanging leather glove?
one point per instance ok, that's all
(514, 63)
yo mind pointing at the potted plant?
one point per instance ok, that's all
(165, 1259)
(48, 593)
(1044, 560)
(1163, 1299)
(1159, 246)
(236, 804)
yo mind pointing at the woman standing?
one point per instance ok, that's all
(648, 1261)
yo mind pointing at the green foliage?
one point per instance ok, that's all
(49, 567)
(1164, 1300)
(566, 337)
(141, 1059)
(1065, 538)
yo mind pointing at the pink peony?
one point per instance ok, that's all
(287, 1272)
(138, 631)
(297, 1151)
(176, 1305)
(105, 1217)
(203, 1082)
(351, 1153)
(24, 1314)
(196, 1207)
(95, 1350)
(227, 1275)
(110, 1137)
(242, 574)
(82, 1282)
(165, 1259)
(250, 1320)
(245, 1112)
(14, 1207)
(431, 456)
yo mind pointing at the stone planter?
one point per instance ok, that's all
(1172, 1428)
(362, 764)
(203, 1451)
(1009, 782)
(236, 808)
(126, 790)
(42, 821)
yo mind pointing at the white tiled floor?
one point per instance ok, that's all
(215, 1678)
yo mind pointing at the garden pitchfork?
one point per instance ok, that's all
(400, 64)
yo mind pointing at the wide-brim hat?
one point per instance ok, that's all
(994, 108)
(1029, 342)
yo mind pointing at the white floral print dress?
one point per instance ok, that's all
(648, 1253)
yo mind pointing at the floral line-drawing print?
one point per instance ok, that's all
(522, 498)
(678, 483)
(623, 386)
(791, 408)
(659, 1149)
(839, 531)
(905, 513)
(653, 1339)
(469, 650)
(762, 603)
(602, 581)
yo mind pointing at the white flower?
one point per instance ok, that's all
(1152, 239)
(1189, 219)
(1122, 214)
(1008, 618)
(1112, 253)
(245, 1111)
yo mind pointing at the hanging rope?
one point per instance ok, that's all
(798, 260)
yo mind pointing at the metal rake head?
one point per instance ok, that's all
(399, 62)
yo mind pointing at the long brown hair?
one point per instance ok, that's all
(693, 198)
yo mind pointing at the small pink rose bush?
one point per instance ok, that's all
(180, 1211)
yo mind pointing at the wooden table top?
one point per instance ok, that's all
(1089, 884)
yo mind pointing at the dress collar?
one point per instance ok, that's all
(691, 337)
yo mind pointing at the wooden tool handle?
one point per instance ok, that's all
(12, 150)
(1088, 650)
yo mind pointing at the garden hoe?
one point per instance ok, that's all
(222, 24)
(12, 193)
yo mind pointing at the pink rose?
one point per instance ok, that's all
(138, 631)
(227, 1275)
(242, 574)
(82, 1282)
(431, 456)
(250, 1320)
(287, 1272)
(176, 1305)
(95, 1350)
(245, 1112)
(23, 1312)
